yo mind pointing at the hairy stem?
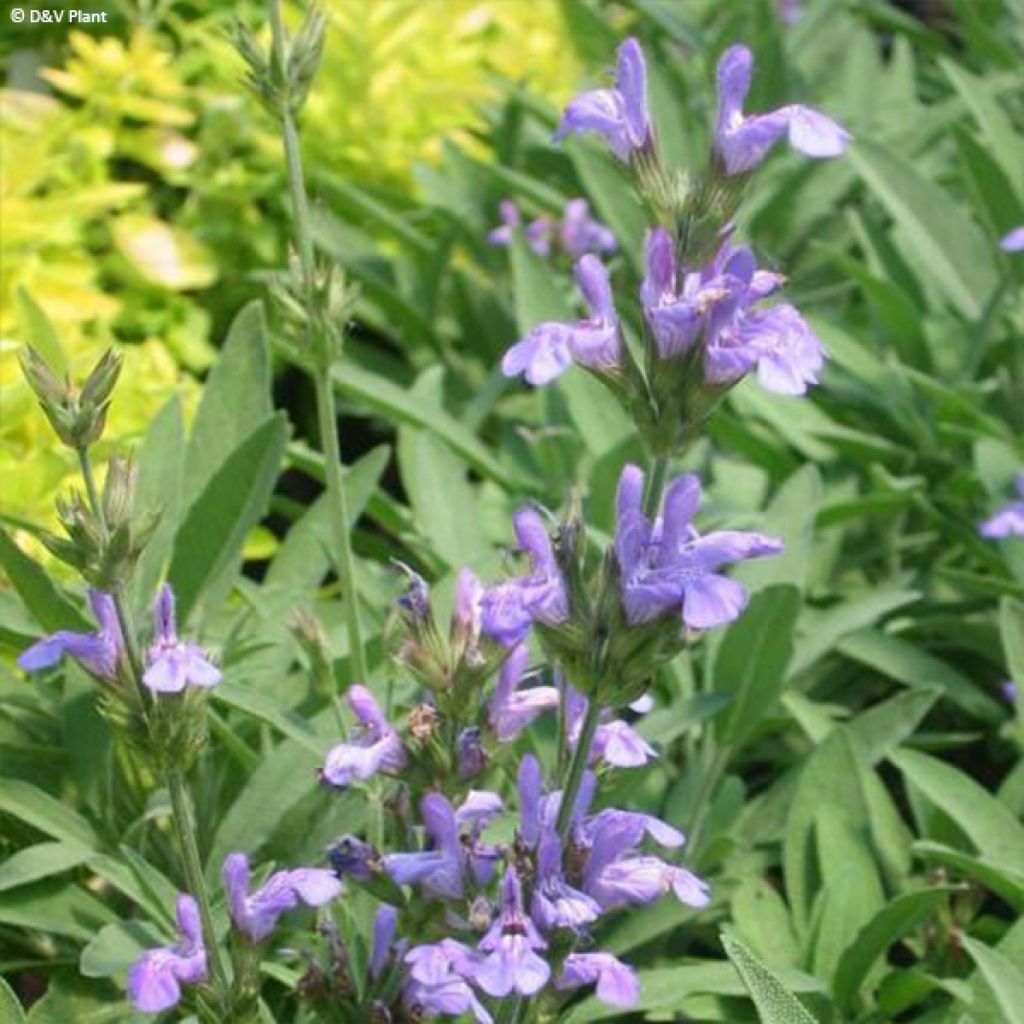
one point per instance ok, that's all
(181, 813)
(185, 828)
(577, 766)
(321, 372)
(656, 485)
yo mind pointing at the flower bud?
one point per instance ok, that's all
(470, 754)
(304, 57)
(423, 722)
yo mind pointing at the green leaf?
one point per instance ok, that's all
(750, 662)
(762, 919)
(40, 333)
(666, 988)
(161, 462)
(284, 720)
(399, 406)
(606, 185)
(901, 661)
(40, 861)
(55, 907)
(236, 400)
(1005, 882)
(775, 1005)
(114, 948)
(886, 927)
(947, 243)
(989, 826)
(882, 728)
(37, 808)
(10, 1009)
(445, 504)
(1004, 979)
(1011, 630)
(209, 541)
(851, 892)
(46, 603)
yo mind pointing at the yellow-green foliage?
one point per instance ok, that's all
(89, 248)
(400, 77)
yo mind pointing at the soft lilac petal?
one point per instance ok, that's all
(514, 966)
(152, 984)
(689, 889)
(1007, 522)
(542, 356)
(166, 672)
(164, 628)
(1013, 241)
(617, 985)
(439, 819)
(682, 500)
(385, 924)
(814, 134)
(724, 547)
(529, 785)
(314, 886)
(365, 707)
(642, 705)
(622, 746)
(478, 808)
(713, 601)
(631, 82)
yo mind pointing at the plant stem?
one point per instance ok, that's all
(698, 815)
(321, 373)
(185, 827)
(656, 485)
(577, 766)
(181, 812)
(124, 618)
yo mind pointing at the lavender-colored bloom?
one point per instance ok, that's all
(385, 924)
(1010, 691)
(1009, 520)
(742, 142)
(618, 115)
(719, 308)
(538, 811)
(510, 608)
(595, 342)
(1013, 241)
(351, 856)
(155, 979)
(555, 903)
(376, 747)
(471, 757)
(442, 869)
(171, 663)
(581, 233)
(617, 985)
(539, 232)
(439, 981)
(789, 11)
(511, 963)
(667, 565)
(615, 741)
(256, 915)
(98, 653)
(511, 710)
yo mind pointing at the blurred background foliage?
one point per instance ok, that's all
(144, 202)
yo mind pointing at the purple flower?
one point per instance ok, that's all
(511, 710)
(595, 342)
(256, 915)
(581, 233)
(443, 867)
(353, 857)
(667, 565)
(173, 664)
(742, 142)
(439, 981)
(617, 985)
(555, 903)
(375, 748)
(385, 923)
(1010, 691)
(1013, 241)
(511, 963)
(789, 11)
(155, 979)
(98, 653)
(539, 811)
(1009, 520)
(615, 875)
(718, 307)
(470, 755)
(618, 115)
(615, 741)
(509, 608)
(539, 232)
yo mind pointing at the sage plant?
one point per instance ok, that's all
(493, 869)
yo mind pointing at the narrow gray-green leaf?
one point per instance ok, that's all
(775, 1004)
(1004, 978)
(50, 608)
(40, 861)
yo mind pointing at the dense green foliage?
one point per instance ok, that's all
(861, 769)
